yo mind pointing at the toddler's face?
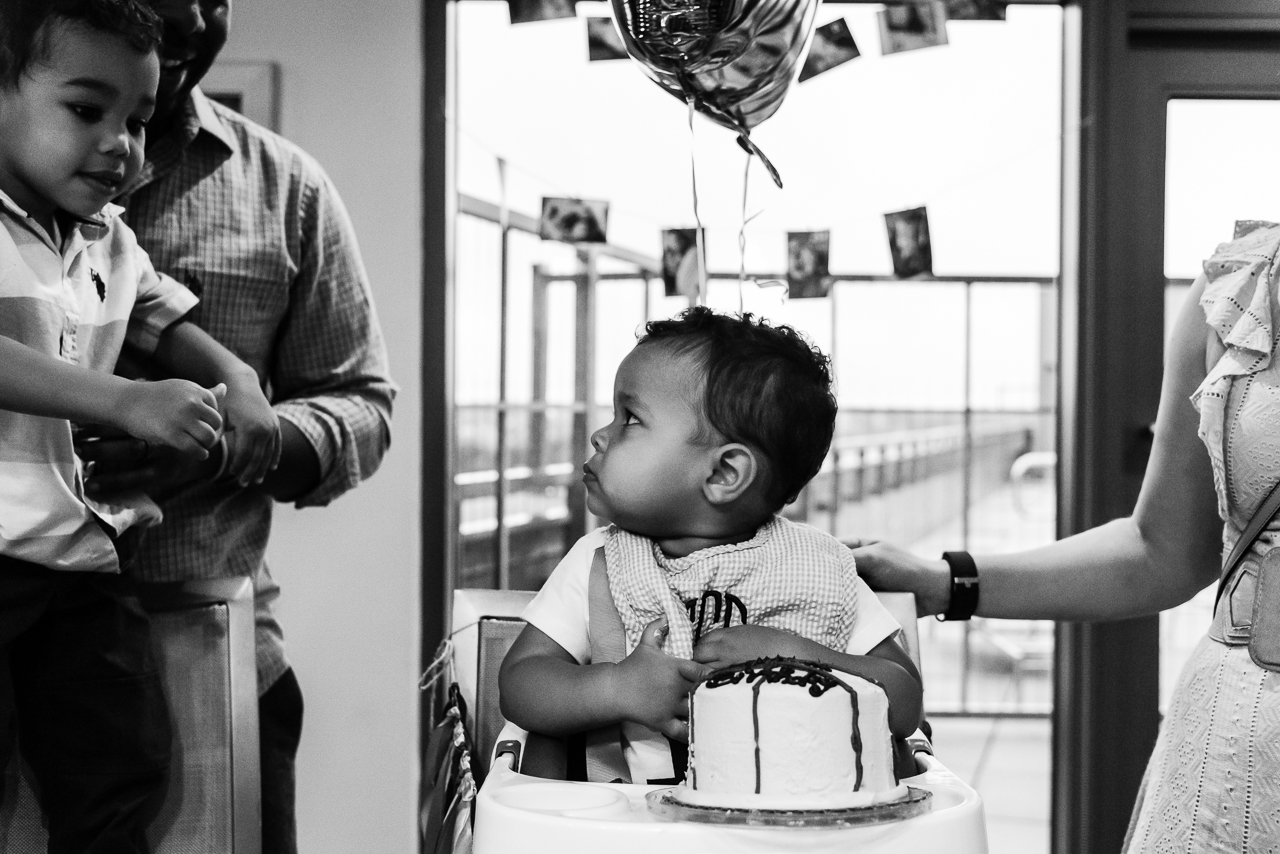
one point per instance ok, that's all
(648, 469)
(71, 131)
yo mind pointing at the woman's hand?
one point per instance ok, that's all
(884, 566)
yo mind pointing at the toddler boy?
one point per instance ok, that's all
(77, 86)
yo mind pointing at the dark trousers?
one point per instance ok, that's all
(280, 729)
(85, 694)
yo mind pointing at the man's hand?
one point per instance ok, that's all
(884, 566)
(117, 462)
(175, 413)
(252, 432)
(738, 644)
(652, 688)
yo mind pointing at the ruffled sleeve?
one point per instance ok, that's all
(1237, 306)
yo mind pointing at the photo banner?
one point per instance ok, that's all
(909, 242)
(574, 220)
(832, 45)
(808, 261)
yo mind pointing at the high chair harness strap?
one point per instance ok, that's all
(605, 760)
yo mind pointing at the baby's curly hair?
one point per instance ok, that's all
(26, 26)
(764, 385)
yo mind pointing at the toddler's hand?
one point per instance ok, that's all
(739, 644)
(252, 433)
(653, 687)
(176, 413)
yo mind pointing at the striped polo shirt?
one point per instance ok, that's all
(78, 297)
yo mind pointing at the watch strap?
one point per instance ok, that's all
(964, 586)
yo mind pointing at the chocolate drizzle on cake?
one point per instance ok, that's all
(817, 677)
(755, 724)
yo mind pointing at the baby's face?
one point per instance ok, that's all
(73, 126)
(648, 469)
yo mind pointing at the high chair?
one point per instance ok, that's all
(515, 811)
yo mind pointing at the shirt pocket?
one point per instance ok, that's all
(244, 311)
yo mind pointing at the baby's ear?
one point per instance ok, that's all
(733, 472)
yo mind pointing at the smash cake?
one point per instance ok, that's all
(783, 734)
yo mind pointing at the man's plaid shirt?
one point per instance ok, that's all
(253, 226)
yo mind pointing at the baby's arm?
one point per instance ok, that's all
(886, 664)
(542, 688)
(176, 413)
(252, 428)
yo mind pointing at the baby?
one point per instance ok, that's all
(719, 421)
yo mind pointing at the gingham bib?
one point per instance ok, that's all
(788, 576)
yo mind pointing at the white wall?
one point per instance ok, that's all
(351, 74)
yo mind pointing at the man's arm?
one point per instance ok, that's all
(329, 377)
(251, 429)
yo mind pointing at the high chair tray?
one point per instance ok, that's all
(515, 812)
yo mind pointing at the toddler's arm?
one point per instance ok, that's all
(542, 688)
(176, 413)
(252, 429)
(887, 664)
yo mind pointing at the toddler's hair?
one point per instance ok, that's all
(26, 25)
(764, 385)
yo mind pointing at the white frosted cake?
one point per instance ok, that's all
(787, 734)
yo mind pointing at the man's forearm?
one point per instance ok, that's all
(299, 470)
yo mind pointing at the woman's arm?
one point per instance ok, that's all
(1161, 556)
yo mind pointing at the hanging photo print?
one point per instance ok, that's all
(808, 254)
(527, 11)
(976, 10)
(573, 220)
(603, 41)
(680, 261)
(912, 26)
(832, 45)
(909, 243)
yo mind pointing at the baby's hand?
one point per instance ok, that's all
(653, 687)
(739, 644)
(176, 413)
(252, 432)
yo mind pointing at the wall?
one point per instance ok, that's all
(350, 86)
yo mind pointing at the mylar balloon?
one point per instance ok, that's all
(733, 59)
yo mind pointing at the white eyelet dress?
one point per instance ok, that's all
(1213, 783)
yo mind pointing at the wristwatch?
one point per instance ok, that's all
(964, 586)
